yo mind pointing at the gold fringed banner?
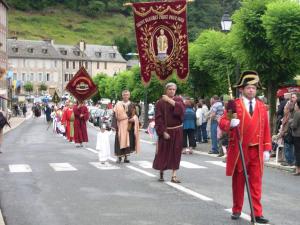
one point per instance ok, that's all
(161, 35)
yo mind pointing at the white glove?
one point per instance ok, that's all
(234, 122)
(266, 156)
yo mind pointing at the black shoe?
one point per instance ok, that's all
(284, 164)
(235, 216)
(261, 220)
(211, 152)
(220, 155)
(161, 177)
(205, 141)
(119, 160)
(126, 160)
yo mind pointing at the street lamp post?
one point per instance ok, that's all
(226, 24)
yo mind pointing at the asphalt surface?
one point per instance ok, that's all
(125, 194)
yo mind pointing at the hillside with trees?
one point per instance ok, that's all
(99, 21)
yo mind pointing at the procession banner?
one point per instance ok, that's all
(162, 41)
(81, 86)
(55, 98)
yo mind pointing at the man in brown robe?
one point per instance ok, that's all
(81, 114)
(123, 126)
(169, 113)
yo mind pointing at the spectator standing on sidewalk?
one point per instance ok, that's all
(189, 128)
(204, 111)
(287, 138)
(215, 113)
(295, 125)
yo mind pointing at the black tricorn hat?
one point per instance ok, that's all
(249, 77)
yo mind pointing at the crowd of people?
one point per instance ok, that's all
(69, 121)
(288, 131)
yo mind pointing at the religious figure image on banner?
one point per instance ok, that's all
(162, 45)
(161, 34)
(81, 86)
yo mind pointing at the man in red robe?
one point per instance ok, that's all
(169, 113)
(63, 117)
(81, 116)
(251, 118)
(68, 120)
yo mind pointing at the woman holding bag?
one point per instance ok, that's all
(295, 125)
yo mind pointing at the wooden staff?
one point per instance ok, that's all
(130, 4)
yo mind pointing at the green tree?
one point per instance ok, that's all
(211, 61)
(43, 87)
(265, 31)
(28, 87)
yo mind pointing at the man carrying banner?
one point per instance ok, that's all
(81, 114)
(169, 113)
(121, 117)
(250, 117)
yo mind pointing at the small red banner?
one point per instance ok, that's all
(81, 86)
(161, 34)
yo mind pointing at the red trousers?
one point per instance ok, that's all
(255, 183)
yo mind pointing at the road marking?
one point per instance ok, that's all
(62, 167)
(189, 165)
(189, 191)
(20, 168)
(218, 163)
(92, 150)
(106, 166)
(243, 215)
(148, 142)
(96, 152)
(144, 164)
(141, 171)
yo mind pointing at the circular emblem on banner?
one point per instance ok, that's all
(162, 43)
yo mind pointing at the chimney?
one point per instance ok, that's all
(115, 47)
(50, 41)
(82, 45)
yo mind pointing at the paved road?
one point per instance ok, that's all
(46, 181)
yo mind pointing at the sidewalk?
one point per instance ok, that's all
(15, 122)
(204, 148)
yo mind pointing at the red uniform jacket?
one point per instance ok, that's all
(255, 131)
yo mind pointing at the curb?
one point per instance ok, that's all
(267, 164)
(18, 124)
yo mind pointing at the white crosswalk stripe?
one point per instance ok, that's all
(59, 167)
(189, 165)
(143, 164)
(105, 166)
(20, 168)
(62, 167)
(217, 163)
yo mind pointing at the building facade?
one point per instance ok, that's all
(55, 65)
(3, 53)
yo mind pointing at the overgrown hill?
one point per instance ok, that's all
(68, 27)
(99, 21)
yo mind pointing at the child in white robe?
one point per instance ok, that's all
(103, 144)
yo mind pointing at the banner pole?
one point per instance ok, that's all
(130, 4)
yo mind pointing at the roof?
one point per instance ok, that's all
(48, 50)
(40, 49)
(4, 3)
(71, 52)
(107, 53)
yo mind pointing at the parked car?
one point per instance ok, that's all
(95, 116)
(107, 117)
